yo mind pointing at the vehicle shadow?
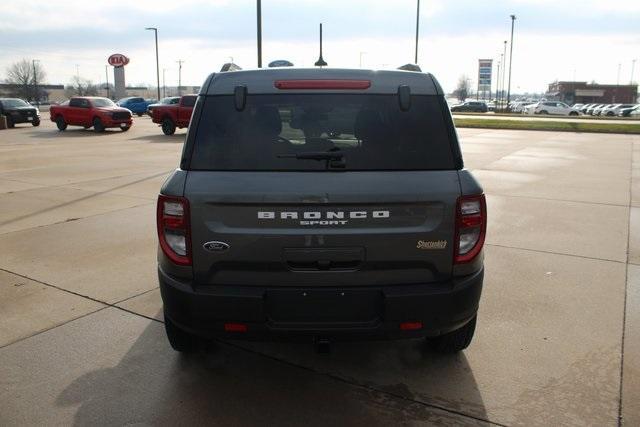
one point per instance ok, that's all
(230, 385)
(160, 138)
(74, 133)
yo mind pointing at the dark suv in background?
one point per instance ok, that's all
(16, 111)
(321, 204)
(471, 107)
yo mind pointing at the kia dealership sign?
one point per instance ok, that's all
(118, 60)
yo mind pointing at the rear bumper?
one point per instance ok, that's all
(204, 310)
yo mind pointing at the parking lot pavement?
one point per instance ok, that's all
(81, 338)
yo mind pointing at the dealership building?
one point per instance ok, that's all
(587, 93)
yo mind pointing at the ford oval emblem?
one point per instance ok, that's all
(216, 246)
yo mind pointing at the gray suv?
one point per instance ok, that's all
(321, 204)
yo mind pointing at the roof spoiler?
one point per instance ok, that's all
(410, 67)
(230, 66)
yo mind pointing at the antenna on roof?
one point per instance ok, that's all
(320, 62)
(230, 66)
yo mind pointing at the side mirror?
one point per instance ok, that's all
(404, 97)
(240, 95)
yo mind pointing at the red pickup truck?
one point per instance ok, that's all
(90, 111)
(174, 115)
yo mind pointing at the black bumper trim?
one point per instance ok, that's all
(441, 307)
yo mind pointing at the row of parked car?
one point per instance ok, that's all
(102, 113)
(610, 110)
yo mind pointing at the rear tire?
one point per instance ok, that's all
(180, 340)
(168, 127)
(98, 127)
(140, 114)
(35, 123)
(573, 113)
(61, 124)
(126, 128)
(10, 123)
(454, 341)
(545, 112)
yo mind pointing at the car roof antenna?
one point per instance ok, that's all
(320, 62)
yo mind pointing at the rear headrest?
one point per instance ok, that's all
(268, 121)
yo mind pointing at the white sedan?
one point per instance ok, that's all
(551, 107)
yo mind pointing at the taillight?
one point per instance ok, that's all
(174, 231)
(471, 227)
(322, 84)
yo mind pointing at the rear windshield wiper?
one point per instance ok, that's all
(314, 155)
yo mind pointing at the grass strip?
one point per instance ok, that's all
(624, 128)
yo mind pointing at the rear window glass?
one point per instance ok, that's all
(276, 132)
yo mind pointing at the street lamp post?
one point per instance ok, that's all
(155, 30)
(633, 68)
(361, 53)
(164, 86)
(504, 73)
(417, 31)
(513, 20)
(106, 74)
(259, 27)
(180, 61)
(35, 82)
(498, 82)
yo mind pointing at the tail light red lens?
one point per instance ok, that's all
(323, 84)
(235, 327)
(471, 227)
(174, 231)
(410, 326)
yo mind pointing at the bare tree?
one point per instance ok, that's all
(25, 75)
(463, 90)
(81, 87)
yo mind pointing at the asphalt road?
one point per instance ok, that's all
(81, 339)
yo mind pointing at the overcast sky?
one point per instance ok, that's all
(554, 39)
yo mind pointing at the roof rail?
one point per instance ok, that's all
(410, 67)
(230, 66)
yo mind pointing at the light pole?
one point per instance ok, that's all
(498, 82)
(618, 80)
(633, 68)
(259, 27)
(106, 73)
(155, 30)
(513, 20)
(504, 73)
(164, 86)
(180, 61)
(417, 31)
(35, 81)
(361, 53)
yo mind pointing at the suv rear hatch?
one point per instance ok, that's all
(322, 189)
